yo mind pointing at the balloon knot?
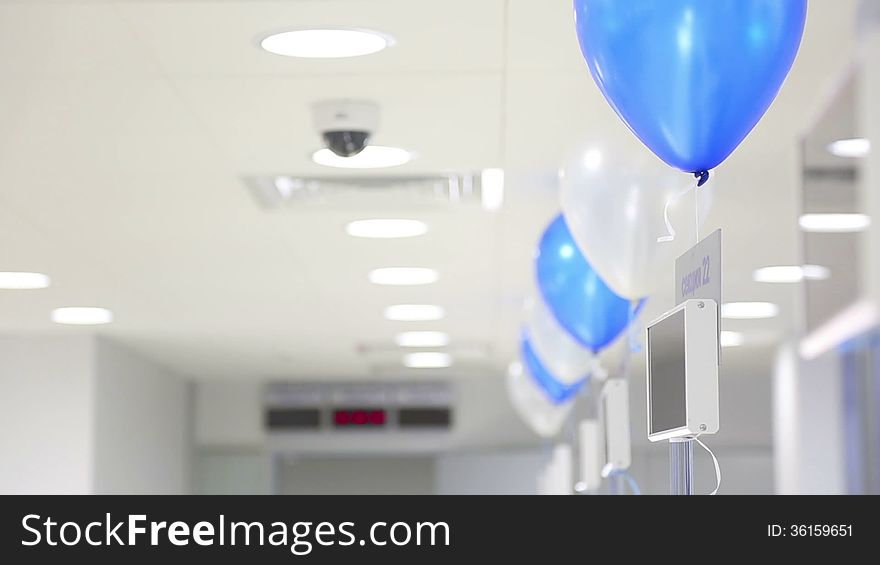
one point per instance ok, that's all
(703, 176)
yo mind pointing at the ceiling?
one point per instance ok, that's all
(126, 128)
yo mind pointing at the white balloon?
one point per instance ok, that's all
(542, 416)
(567, 360)
(613, 200)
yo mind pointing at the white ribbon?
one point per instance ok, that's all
(671, 230)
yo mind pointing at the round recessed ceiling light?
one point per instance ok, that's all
(414, 313)
(834, 223)
(791, 274)
(372, 157)
(386, 229)
(732, 339)
(427, 360)
(749, 310)
(23, 281)
(850, 148)
(403, 276)
(326, 43)
(82, 316)
(422, 339)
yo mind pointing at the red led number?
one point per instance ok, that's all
(359, 418)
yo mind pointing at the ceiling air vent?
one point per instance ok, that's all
(274, 192)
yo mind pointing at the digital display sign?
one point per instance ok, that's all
(424, 417)
(293, 419)
(359, 418)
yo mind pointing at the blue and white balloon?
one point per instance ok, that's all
(578, 297)
(557, 392)
(532, 405)
(563, 356)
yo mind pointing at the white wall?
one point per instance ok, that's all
(142, 431)
(234, 453)
(232, 472)
(81, 415)
(503, 472)
(46, 415)
(869, 126)
(808, 425)
(233, 450)
(357, 475)
(229, 414)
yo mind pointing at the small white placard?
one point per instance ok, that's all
(698, 274)
(698, 271)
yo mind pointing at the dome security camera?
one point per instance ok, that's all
(346, 125)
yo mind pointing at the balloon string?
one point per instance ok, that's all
(702, 178)
(697, 215)
(597, 371)
(669, 229)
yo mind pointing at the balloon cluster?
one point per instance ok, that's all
(691, 79)
(574, 316)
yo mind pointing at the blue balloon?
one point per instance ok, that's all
(557, 392)
(579, 299)
(691, 78)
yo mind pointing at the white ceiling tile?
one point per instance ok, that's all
(40, 39)
(113, 124)
(222, 38)
(541, 37)
(572, 113)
